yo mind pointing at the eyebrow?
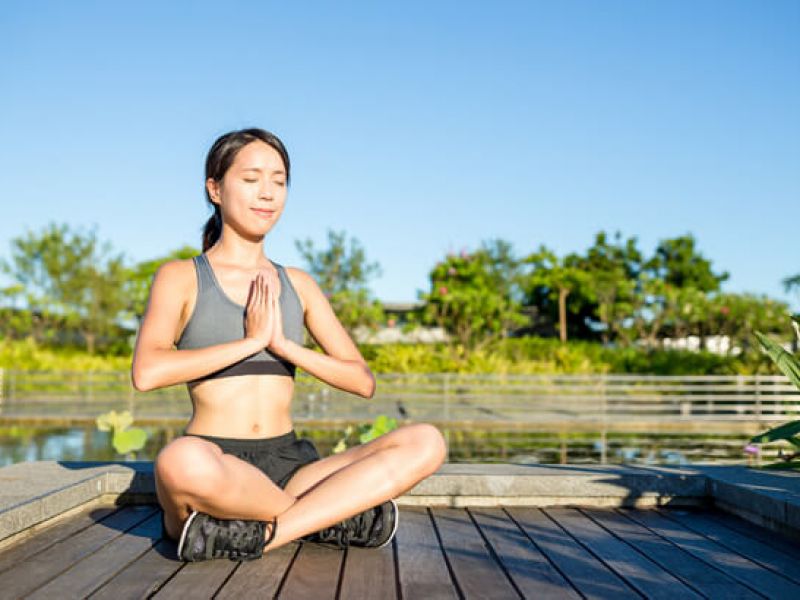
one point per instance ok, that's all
(278, 172)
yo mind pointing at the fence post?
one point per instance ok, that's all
(604, 433)
(446, 408)
(758, 398)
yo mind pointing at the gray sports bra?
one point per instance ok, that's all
(217, 319)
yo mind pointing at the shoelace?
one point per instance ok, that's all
(344, 532)
(243, 540)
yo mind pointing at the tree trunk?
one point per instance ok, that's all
(562, 313)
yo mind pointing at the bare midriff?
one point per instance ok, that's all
(243, 406)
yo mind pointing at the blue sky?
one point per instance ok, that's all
(417, 127)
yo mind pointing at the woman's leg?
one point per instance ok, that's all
(194, 474)
(340, 486)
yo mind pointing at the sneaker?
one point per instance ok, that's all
(373, 528)
(205, 537)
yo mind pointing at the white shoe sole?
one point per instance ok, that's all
(183, 533)
(396, 521)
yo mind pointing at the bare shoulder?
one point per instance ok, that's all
(176, 274)
(304, 284)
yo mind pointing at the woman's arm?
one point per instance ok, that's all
(342, 366)
(156, 363)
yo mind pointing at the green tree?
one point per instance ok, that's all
(556, 279)
(678, 263)
(469, 300)
(612, 269)
(69, 277)
(343, 273)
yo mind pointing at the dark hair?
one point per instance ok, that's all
(220, 158)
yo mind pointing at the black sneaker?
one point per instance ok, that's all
(373, 528)
(205, 537)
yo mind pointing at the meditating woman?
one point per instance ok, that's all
(229, 323)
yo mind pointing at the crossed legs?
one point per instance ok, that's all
(193, 474)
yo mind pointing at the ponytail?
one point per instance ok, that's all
(213, 229)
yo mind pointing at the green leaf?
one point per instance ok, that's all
(129, 440)
(341, 446)
(787, 363)
(783, 432)
(114, 420)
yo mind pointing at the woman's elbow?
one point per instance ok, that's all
(141, 379)
(369, 388)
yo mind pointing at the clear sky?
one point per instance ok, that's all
(416, 127)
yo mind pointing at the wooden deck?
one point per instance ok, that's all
(117, 552)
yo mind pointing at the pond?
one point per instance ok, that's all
(28, 443)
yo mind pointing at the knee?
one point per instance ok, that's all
(187, 465)
(431, 445)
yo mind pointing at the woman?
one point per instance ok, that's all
(240, 482)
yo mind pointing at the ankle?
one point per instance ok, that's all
(269, 532)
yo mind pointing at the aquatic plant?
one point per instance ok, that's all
(369, 431)
(125, 441)
(789, 366)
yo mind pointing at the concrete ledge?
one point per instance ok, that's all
(33, 493)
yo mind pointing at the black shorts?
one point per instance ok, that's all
(277, 457)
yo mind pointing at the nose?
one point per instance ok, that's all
(267, 191)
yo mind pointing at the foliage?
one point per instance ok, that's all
(342, 274)
(554, 279)
(28, 355)
(471, 296)
(124, 440)
(67, 276)
(789, 366)
(381, 425)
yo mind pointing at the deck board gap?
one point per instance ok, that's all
(456, 585)
(494, 554)
(546, 556)
(624, 579)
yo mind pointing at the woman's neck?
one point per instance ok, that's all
(239, 251)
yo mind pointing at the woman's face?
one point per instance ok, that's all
(252, 192)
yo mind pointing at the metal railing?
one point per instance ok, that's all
(632, 402)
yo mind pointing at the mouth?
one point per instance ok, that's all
(264, 214)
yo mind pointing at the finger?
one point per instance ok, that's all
(250, 293)
(259, 291)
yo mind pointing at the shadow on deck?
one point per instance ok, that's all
(117, 552)
(77, 530)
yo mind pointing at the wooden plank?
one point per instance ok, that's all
(641, 573)
(697, 574)
(145, 575)
(476, 571)
(762, 553)
(314, 573)
(202, 578)
(533, 574)
(592, 578)
(740, 568)
(86, 576)
(420, 558)
(762, 534)
(260, 578)
(47, 536)
(369, 573)
(44, 566)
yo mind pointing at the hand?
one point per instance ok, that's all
(278, 340)
(260, 318)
